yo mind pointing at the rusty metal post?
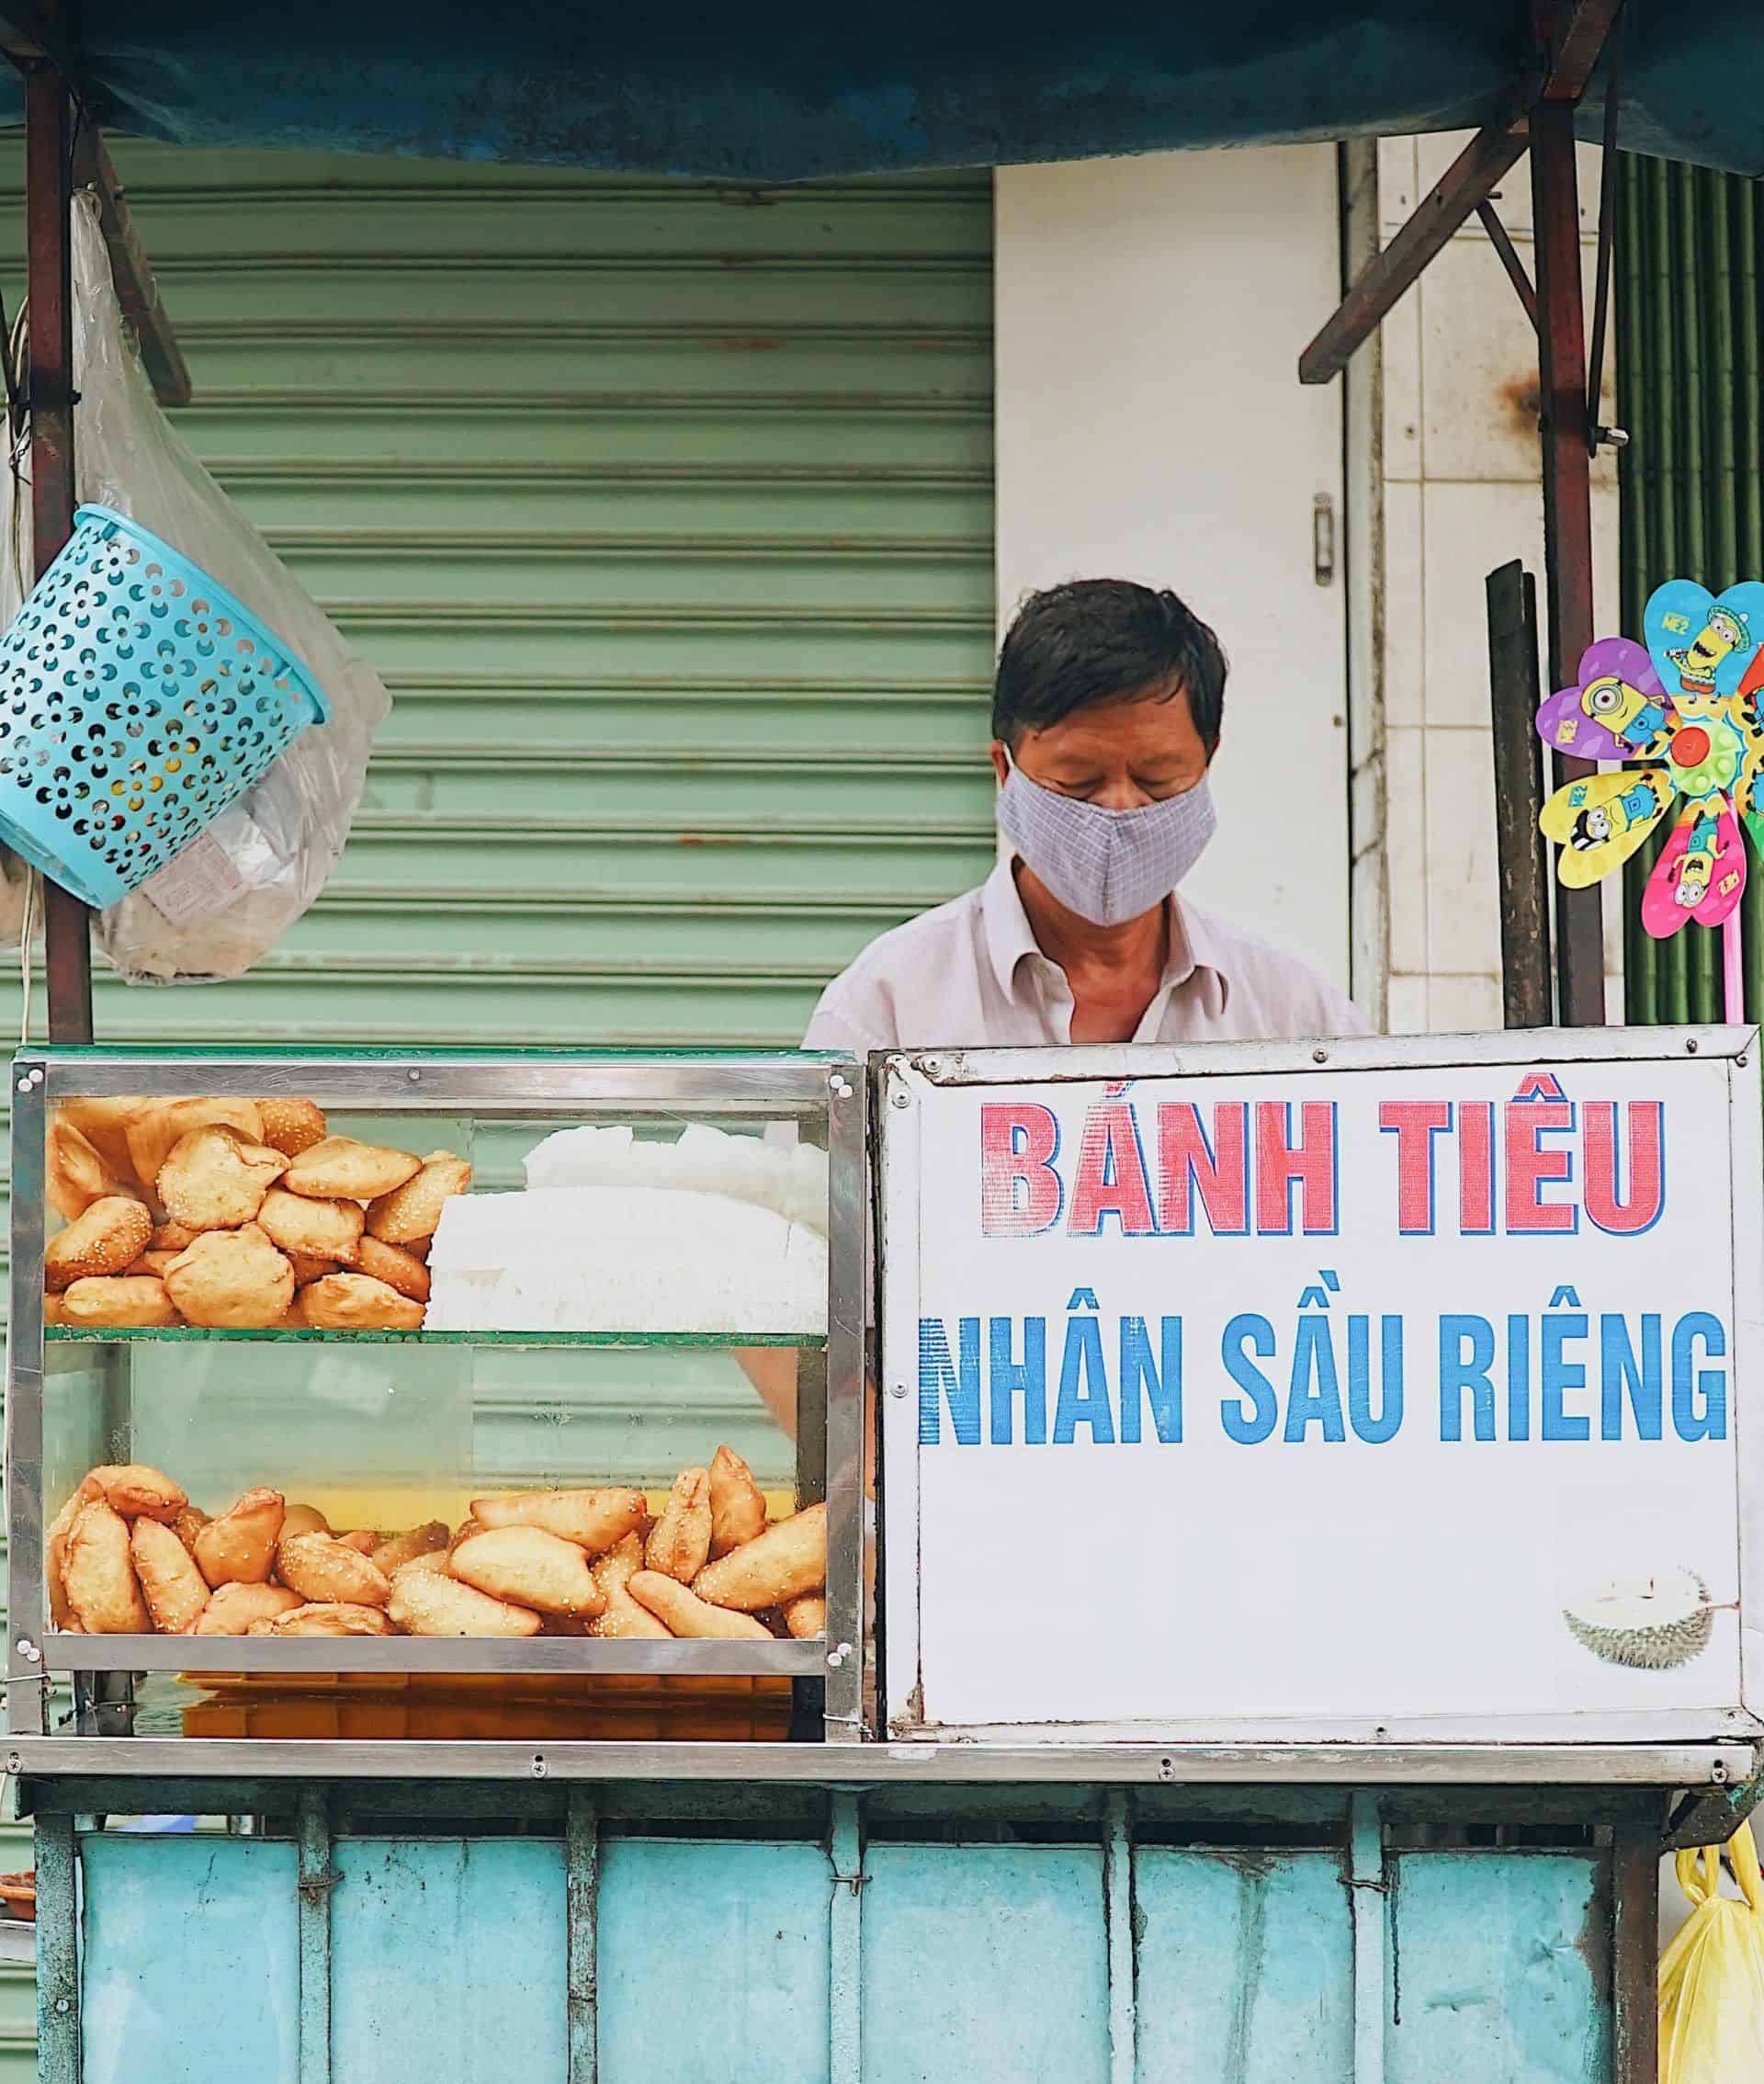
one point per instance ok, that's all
(1567, 510)
(1634, 1953)
(49, 160)
(1521, 861)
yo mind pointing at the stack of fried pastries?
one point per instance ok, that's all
(242, 1215)
(128, 1554)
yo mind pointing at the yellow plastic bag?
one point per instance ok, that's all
(1711, 1977)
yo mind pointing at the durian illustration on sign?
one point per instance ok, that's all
(1650, 1624)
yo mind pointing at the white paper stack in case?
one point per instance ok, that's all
(788, 1179)
(623, 1258)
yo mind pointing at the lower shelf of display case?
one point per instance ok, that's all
(394, 1654)
(196, 1335)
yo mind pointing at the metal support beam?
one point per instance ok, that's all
(1567, 511)
(136, 291)
(1607, 240)
(1635, 1951)
(582, 1892)
(1369, 1900)
(48, 123)
(1571, 50)
(28, 30)
(846, 1942)
(58, 1952)
(1522, 863)
(1124, 1945)
(1472, 177)
(317, 1880)
(1574, 33)
(1488, 217)
(1711, 1816)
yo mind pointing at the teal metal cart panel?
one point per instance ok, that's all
(1499, 1970)
(447, 1957)
(713, 1961)
(824, 1937)
(191, 1960)
(984, 1961)
(1246, 1968)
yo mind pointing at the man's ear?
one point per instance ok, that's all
(1001, 761)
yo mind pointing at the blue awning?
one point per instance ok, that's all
(778, 90)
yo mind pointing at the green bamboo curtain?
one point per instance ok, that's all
(1691, 482)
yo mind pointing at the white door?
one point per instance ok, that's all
(1151, 426)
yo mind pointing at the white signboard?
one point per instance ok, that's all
(1232, 1392)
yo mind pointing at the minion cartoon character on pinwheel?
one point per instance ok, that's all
(1634, 720)
(1695, 868)
(1724, 632)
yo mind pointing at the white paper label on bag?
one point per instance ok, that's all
(198, 882)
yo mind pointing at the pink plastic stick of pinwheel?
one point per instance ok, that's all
(1733, 980)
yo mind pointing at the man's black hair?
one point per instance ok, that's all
(1098, 641)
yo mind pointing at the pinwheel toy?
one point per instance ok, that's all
(1683, 711)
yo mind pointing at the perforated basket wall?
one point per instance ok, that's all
(137, 700)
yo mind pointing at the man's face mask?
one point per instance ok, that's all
(1106, 866)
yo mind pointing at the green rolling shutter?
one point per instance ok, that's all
(1691, 483)
(666, 511)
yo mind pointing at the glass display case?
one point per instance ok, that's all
(396, 1363)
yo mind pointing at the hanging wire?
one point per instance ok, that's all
(17, 356)
(26, 935)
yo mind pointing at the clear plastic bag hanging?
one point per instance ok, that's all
(228, 898)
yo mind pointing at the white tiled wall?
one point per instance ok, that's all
(1461, 485)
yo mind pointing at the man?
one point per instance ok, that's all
(1106, 714)
(1105, 717)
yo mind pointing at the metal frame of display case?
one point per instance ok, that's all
(484, 1084)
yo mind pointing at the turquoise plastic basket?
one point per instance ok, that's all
(138, 700)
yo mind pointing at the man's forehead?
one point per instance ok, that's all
(1146, 717)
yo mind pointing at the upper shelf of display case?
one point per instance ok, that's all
(494, 1081)
(521, 1198)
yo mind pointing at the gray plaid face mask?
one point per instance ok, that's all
(1106, 866)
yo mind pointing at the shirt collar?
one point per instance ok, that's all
(1194, 944)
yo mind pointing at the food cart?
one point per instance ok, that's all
(1296, 1652)
(1275, 1664)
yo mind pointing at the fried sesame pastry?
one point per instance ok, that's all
(409, 1212)
(120, 1301)
(293, 1126)
(356, 1302)
(214, 1179)
(341, 1169)
(102, 1240)
(155, 1126)
(303, 1225)
(234, 1280)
